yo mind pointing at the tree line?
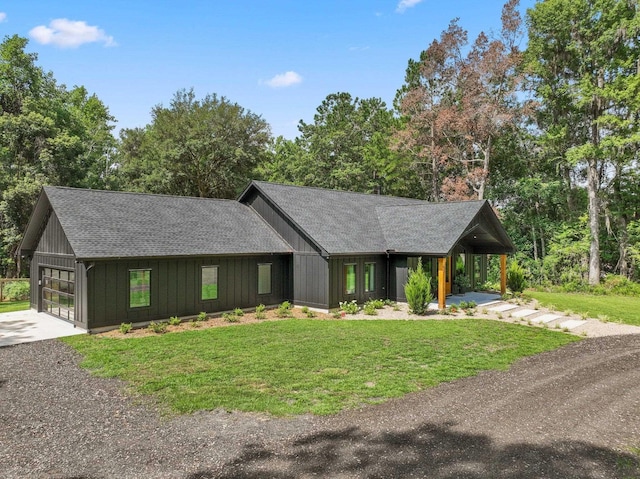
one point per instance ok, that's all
(548, 134)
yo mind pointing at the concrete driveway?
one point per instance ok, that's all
(27, 326)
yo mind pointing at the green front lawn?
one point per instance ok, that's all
(299, 366)
(623, 309)
(14, 306)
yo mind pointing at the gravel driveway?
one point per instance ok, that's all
(569, 413)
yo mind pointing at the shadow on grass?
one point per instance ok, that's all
(427, 451)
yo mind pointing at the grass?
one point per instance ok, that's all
(299, 366)
(622, 309)
(14, 306)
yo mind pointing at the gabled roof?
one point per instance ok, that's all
(342, 222)
(108, 224)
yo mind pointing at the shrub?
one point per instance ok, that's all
(377, 303)
(158, 328)
(174, 321)
(125, 327)
(350, 307)
(260, 311)
(238, 312)
(202, 316)
(418, 289)
(16, 291)
(284, 310)
(310, 314)
(515, 277)
(231, 317)
(370, 308)
(305, 309)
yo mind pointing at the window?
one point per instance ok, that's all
(139, 288)
(209, 283)
(350, 278)
(264, 278)
(369, 277)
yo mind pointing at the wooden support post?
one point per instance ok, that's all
(442, 294)
(503, 274)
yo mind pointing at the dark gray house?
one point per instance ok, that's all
(100, 258)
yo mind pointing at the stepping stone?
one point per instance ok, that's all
(572, 323)
(504, 307)
(546, 318)
(490, 303)
(523, 312)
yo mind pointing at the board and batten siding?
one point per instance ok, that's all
(176, 287)
(53, 251)
(285, 228)
(311, 280)
(337, 279)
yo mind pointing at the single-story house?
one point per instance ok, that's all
(100, 258)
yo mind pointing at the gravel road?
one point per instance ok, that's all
(569, 413)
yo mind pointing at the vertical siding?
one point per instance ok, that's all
(80, 313)
(283, 226)
(311, 280)
(399, 274)
(336, 279)
(53, 239)
(175, 287)
(53, 250)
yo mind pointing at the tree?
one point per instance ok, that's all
(206, 148)
(456, 107)
(48, 135)
(346, 147)
(582, 58)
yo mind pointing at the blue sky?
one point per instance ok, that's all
(277, 58)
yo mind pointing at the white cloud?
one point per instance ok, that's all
(284, 80)
(3, 17)
(404, 4)
(65, 33)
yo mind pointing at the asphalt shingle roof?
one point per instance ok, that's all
(342, 222)
(107, 224)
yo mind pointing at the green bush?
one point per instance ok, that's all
(125, 327)
(370, 309)
(418, 290)
(16, 291)
(260, 311)
(158, 328)
(238, 312)
(284, 310)
(349, 307)
(515, 277)
(202, 316)
(231, 317)
(377, 303)
(174, 321)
